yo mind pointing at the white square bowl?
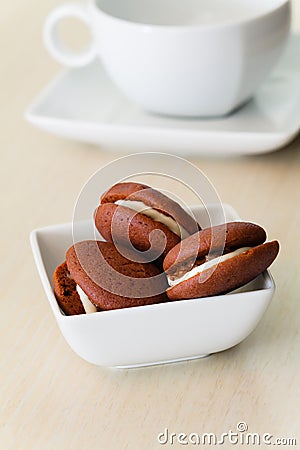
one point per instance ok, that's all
(153, 334)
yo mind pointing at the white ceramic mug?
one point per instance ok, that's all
(175, 57)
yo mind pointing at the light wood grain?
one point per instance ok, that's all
(50, 398)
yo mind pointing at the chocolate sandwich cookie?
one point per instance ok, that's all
(111, 281)
(134, 210)
(66, 292)
(121, 224)
(195, 269)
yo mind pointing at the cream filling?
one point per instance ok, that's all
(141, 207)
(207, 265)
(87, 304)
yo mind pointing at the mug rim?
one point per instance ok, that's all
(281, 5)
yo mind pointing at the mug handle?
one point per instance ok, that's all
(56, 47)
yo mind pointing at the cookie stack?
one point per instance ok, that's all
(153, 252)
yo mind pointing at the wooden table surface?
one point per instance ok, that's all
(53, 400)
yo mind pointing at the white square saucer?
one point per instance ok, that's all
(84, 105)
(153, 334)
